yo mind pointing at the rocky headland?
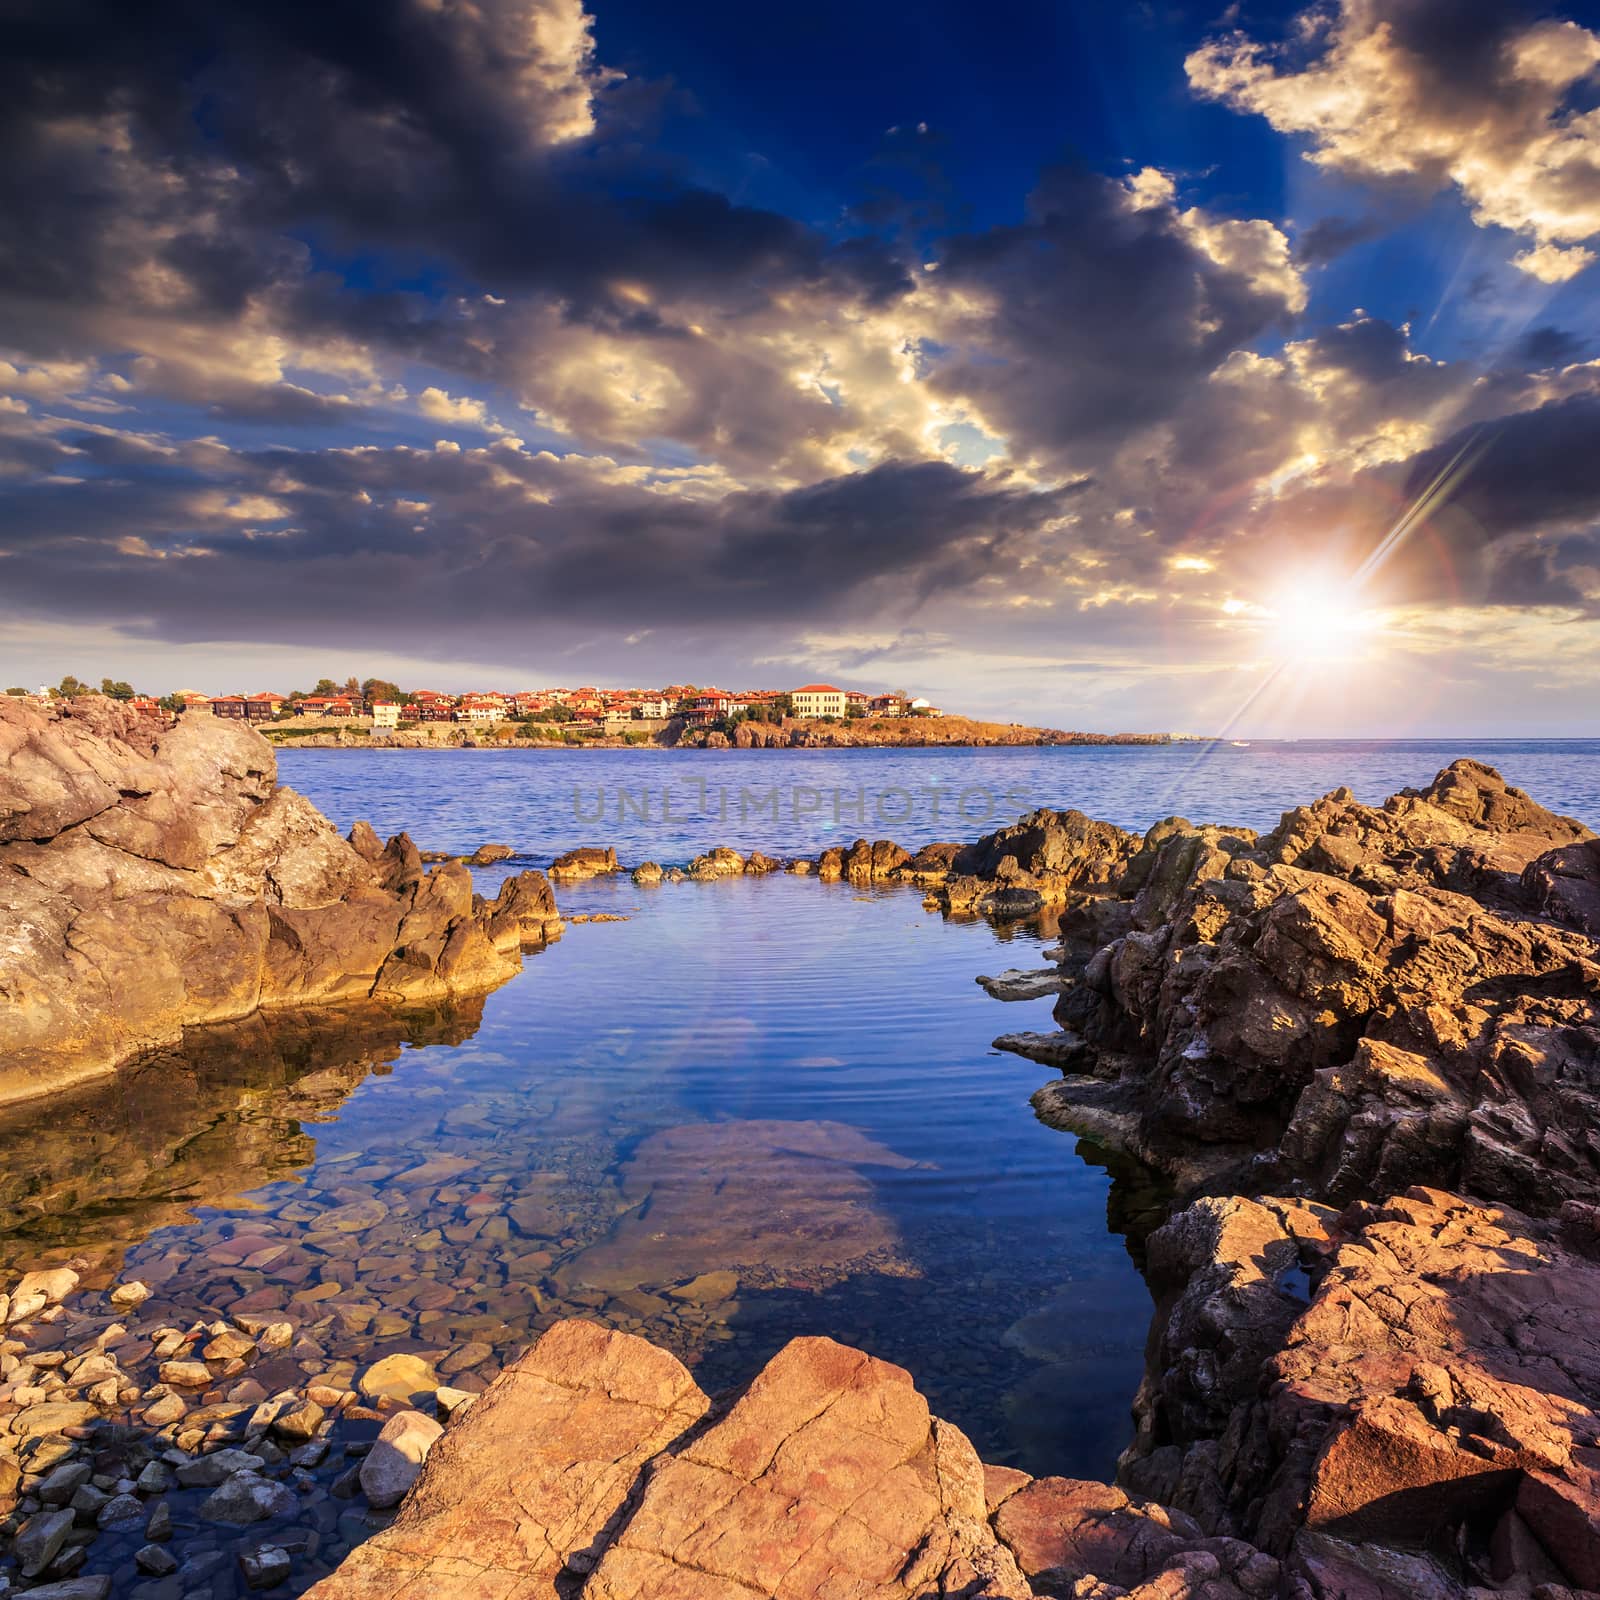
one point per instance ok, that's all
(155, 876)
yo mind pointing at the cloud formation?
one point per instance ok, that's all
(1477, 96)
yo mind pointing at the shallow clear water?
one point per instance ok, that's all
(846, 1144)
(666, 805)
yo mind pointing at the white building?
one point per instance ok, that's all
(819, 700)
(385, 716)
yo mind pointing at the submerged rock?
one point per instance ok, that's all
(784, 1196)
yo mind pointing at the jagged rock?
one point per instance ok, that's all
(1564, 885)
(155, 877)
(647, 874)
(587, 861)
(719, 863)
(1043, 860)
(1328, 1005)
(487, 854)
(877, 862)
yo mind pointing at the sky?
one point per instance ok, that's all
(1108, 366)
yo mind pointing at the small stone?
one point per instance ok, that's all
(229, 1345)
(54, 1283)
(275, 1336)
(398, 1377)
(246, 1498)
(160, 1524)
(132, 1293)
(167, 1409)
(265, 1566)
(209, 1471)
(39, 1540)
(156, 1561)
(393, 1463)
(185, 1374)
(120, 1508)
(299, 1424)
(153, 1479)
(88, 1499)
(60, 1486)
(451, 1401)
(94, 1586)
(708, 1288)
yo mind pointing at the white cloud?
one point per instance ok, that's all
(1382, 99)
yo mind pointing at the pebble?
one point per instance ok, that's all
(265, 1566)
(39, 1540)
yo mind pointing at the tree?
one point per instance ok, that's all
(69, 689)
(326, 686)
(117, 690)
(380, 689)
(170, 702)
(16, 691)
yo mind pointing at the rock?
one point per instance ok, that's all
(198, 890)
(647, 874)
(130, 1294)
(1039, 861)
(229, 1345)
(185, 1374)
(585, 862)
(62, 1482)
(878, 862)
(54, 1284)
(707, 1289)
(399, 1377)
(39, 1539)
(1358, 1000)
(725, 1195)
(245, 1498)
(1062, 1048)
(265, 1567)
(581, 1426)
(155, 1560)
(1032, 985)
(487, 854)
(120, 1508)
(96, 1586)
(395, 1460)
(298, 1422)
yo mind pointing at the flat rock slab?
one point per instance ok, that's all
(1015, 984)
(1060, 1048)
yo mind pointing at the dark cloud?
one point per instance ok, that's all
(1099, 314)
(487, 541)
(1329, 237)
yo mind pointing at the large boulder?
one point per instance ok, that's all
(154, 876)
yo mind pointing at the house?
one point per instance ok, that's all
(193, 700)
(922, 707)
(656, 707)
(710, 705)
(856, 701)
(385, 716)
(888, 705)
(145, 705)
(818, 700)
(262, 707)
(480, 710)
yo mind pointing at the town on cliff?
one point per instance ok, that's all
(374, 712)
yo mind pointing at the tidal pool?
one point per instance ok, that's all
(756, 1108)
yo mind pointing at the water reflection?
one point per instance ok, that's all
(99, 1167)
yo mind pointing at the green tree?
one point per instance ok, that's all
(170, 702)
(69, 688)
(16, 691)
(326, 686)
(376, 689)
(116, 690)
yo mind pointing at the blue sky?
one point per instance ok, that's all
(1073, 364)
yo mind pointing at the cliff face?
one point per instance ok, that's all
(156, 877)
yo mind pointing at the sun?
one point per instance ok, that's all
(1316, 620)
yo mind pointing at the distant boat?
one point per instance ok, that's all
(1240, 744)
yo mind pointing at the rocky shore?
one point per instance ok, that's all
(1362, 1048)
(1366, 1047)
(155, 877)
